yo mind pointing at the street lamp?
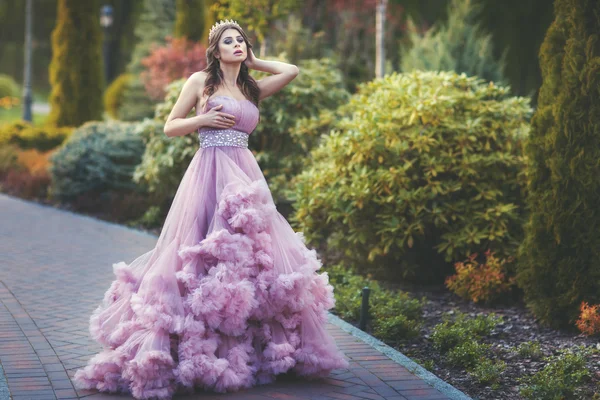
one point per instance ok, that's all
(27, 95)
(106, 20)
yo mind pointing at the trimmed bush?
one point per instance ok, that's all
(100, 156)
(419, 170)
(27, 136)
(114, 94)
(558, 261)
(9, 87)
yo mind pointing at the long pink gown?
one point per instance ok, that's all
(230, 295)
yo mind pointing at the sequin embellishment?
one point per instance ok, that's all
(223, 137)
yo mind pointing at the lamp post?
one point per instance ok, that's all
(106, 20)
(379, 38)
(27, 96)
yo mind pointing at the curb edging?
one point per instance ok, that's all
(444, 387)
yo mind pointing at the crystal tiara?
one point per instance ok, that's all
(218, 24)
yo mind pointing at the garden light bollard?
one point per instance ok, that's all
(364, 309)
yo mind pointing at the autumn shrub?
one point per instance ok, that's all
(9, 159)
(34, 160)
(417, 171)
(9, 102)
(26, 184)
(178, 58)
(481, 283)
(99, 156)
(589, 319)
(114, 94)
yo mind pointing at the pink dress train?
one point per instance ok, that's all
(228, 298)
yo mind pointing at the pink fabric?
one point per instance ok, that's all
(228, 298)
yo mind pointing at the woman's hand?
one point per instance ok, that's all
(250, 59)
(217, 119)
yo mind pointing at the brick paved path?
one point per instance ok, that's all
(54, 269)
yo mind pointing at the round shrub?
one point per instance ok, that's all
(99, 156)
(27, 136)
(8, 86)
(419, 170)
(113, 96)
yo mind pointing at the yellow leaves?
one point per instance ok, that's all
(412, 118)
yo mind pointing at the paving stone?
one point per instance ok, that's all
(44, 315)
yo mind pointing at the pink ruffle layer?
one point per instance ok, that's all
(229, 297)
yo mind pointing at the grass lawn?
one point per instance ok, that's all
(14, 114)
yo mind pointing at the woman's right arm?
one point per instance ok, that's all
(177, 124)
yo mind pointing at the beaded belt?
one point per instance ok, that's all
(223, 137)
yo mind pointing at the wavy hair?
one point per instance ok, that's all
(214, 80)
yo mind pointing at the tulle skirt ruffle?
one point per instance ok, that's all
(228, 298)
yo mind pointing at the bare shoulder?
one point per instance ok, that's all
(198, 78)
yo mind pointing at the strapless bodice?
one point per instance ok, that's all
(246, 113)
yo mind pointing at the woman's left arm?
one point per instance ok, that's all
(283, 74)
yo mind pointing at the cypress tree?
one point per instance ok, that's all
(154, 25)
(190, 19)
(559, 260)
(75, 71)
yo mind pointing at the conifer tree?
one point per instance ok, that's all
(190, 19)
(559, 260)
(75, 72)
(459, 45)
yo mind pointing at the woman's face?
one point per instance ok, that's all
(232, 46)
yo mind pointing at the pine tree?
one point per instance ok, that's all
(559, 260)
(190, 19)
(75, 71)
(460, 45)
(154, 25)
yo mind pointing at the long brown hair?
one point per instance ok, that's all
(247, 84)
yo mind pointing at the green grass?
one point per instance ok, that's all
(15, 113)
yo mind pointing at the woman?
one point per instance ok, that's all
(229, 297)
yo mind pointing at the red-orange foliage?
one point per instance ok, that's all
(22, 183)
(480, 282)
(179, 58)
(589, 319)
